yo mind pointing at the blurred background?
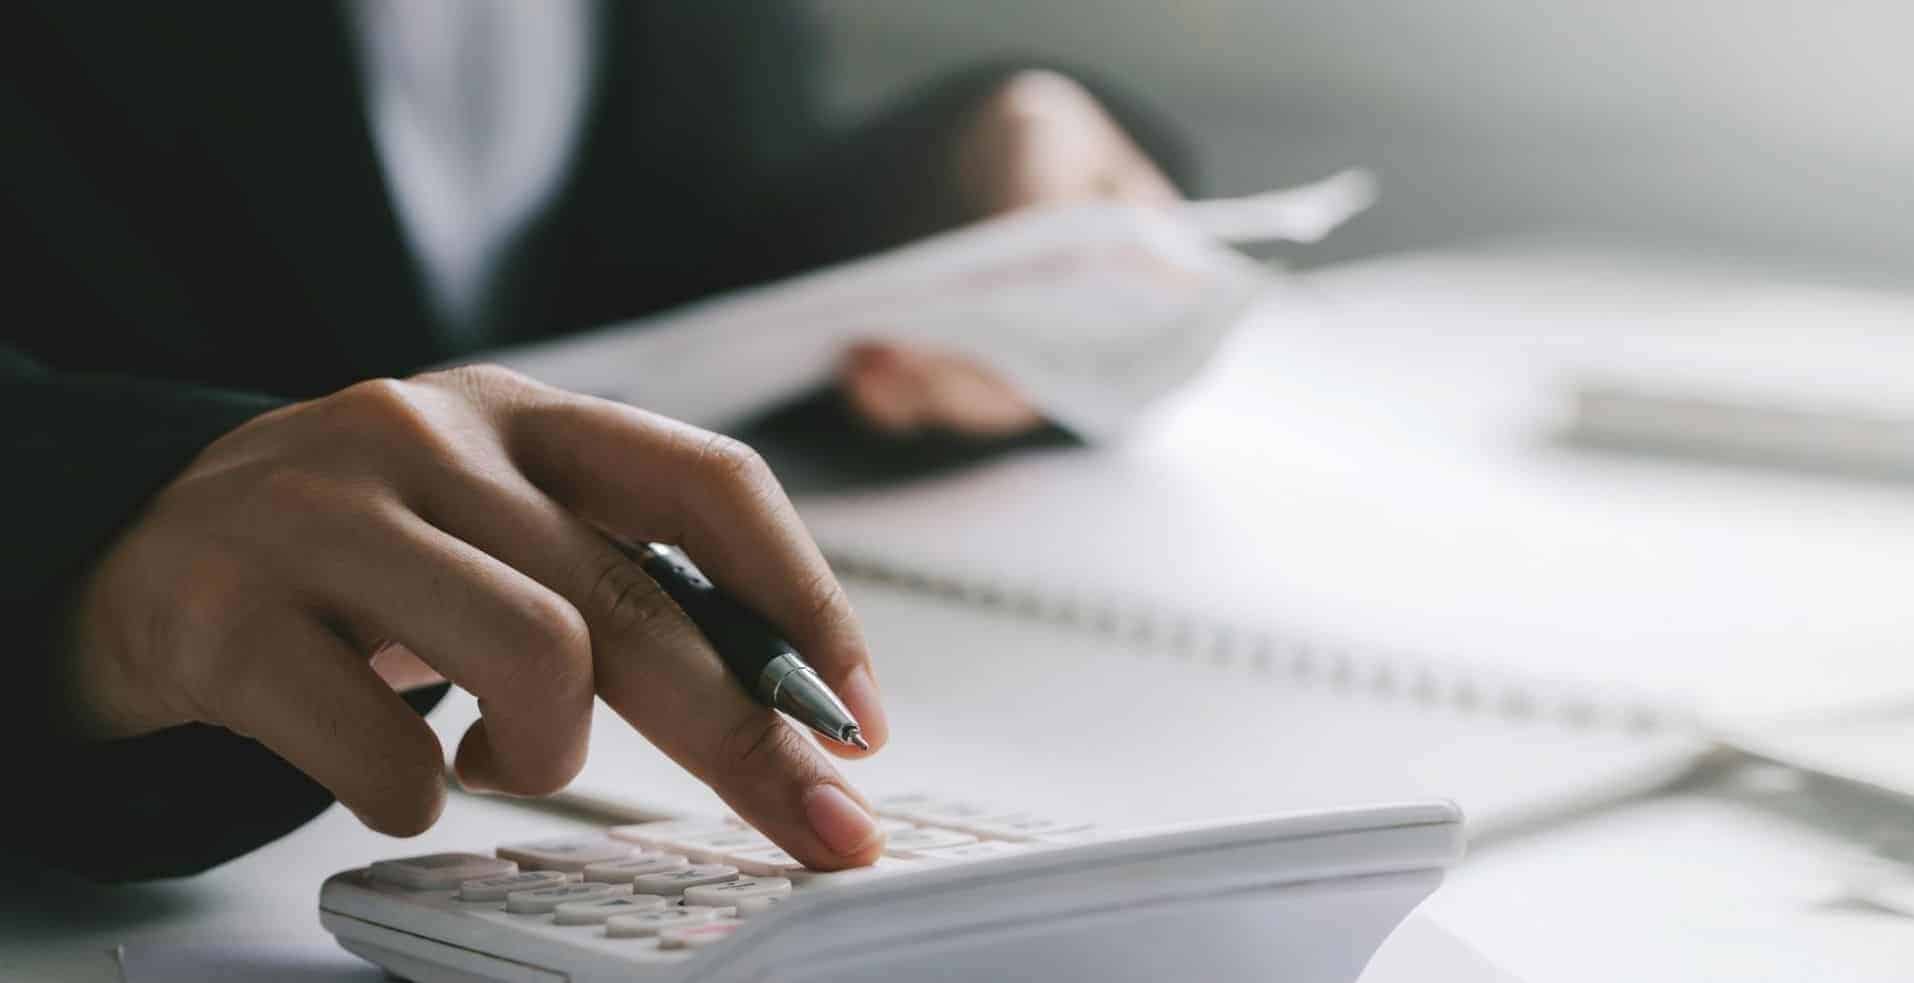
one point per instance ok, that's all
(1774, 131)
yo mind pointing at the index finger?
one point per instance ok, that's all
(641, 476)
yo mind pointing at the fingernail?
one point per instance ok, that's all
(841, 823)
(859, 693)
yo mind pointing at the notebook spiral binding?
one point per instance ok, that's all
(1298, 657)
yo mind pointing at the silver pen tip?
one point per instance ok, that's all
(855, 739)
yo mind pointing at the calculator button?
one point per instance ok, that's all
(908, 843)
(541, 900)
(496, 888)
(935, 812)
(663, 835)
(982, 850)
(622, 871)
(764, 863)
(1028, 828)
(652, 922)
(672, 882)
(710, 847)
(899, 804)
(884, 867)
(570, 854)
(753, 907)
(595, 912)
(732, 892)
(440, 871)
(697, 936)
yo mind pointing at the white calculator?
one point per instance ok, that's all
(963, 892)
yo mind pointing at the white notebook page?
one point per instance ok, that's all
(1006, 711)
(1378, 479)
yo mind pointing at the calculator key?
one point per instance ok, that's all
(936, 812)
(899, 804)
(595, 912)
(959, 813)
(542, 900)
(440, 871)
(753, 907)
(496, 888)
(981, 850)
(697, 936)
(570, 854)
(908, 843)
(764, 863)
(652, 922)
(622, 871)
(711, 846)
(1028, 828)
(671, 882)
(661, 835)
(732, 892)
(884, 867)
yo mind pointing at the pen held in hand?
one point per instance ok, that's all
(768, 666)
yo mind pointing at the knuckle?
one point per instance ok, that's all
(558, 628)
(1036, 95)
(486, 381)
(731, 463)
(760, 745)
(397, 411)
(382, 399)
(830, 606)
(626, 604)
(556, 661)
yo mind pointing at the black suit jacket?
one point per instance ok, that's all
(194, 227)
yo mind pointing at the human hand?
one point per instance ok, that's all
(1038, 139)
(456, 523)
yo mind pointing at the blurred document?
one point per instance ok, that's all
(1095, 311)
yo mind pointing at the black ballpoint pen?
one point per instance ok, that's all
(767, 665)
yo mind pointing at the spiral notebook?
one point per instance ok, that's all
(1344, 565)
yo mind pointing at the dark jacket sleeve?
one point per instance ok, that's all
(83, 455)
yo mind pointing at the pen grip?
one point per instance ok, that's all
(743, 639)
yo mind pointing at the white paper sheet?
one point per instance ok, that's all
(1095, 311)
